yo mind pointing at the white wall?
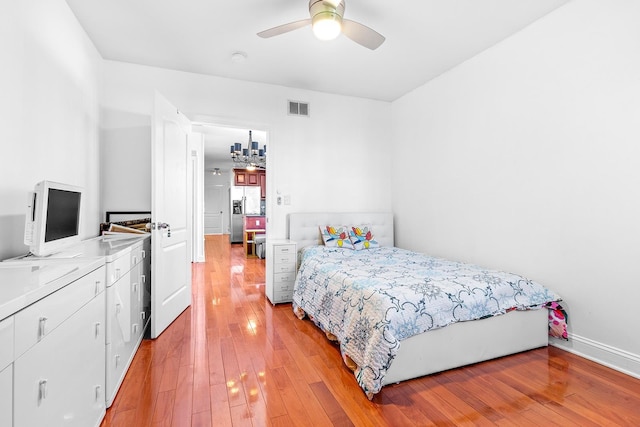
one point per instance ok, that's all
(50, 76)
(333, 160)
(125, 146)
(528, 161)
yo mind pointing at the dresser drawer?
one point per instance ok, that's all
(40, 318)
(136, 255)
(6, 396)
(117, 268)
(6, 342)
(60, 381)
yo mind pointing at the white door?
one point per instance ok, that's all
(214, 202)
(170, 263)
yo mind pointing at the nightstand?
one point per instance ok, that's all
(281, 263)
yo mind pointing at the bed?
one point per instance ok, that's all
(381, 350)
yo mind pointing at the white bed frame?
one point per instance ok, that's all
(456, 345)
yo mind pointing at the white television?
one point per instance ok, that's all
(53, 218)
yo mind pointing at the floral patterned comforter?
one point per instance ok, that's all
(370, 300)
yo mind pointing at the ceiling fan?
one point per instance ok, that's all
(327, 23)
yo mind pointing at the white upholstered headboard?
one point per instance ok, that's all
(303, 228)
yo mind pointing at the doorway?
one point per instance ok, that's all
(218, 171)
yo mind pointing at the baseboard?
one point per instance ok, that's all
(614, 358)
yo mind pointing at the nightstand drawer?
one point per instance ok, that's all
(288, 277)
(284, 249)
(284, 257)
(281, 266)
(284, 268)
(283, 287)
(282, 296)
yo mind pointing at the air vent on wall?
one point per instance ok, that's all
(297, 108)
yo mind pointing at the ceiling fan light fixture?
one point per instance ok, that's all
(326, 19)
(327, 25)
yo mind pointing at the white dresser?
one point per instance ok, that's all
(281, 264)
(43, 329)
(6, 371)
(128, 310)
(127, 261)
(52, 336)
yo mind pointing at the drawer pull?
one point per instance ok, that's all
(135, 260)
(143, 315)
(98, 393)
(144, 278)
(97, 329)
(42, 327)
(118, 308)
(144, 254)
(134, 286)
(42, 390)
(98, 287)
(117, 360)
(117, 273)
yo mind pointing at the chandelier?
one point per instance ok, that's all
(251, 157)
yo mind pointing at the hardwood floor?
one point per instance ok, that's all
(233, 359)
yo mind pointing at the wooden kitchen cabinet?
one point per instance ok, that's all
(240, 177)
(243, 177)
(252, 178)
(262, 178)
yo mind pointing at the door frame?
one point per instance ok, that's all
(223, 122)
(196, 196)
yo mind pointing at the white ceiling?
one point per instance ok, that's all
(424, 38)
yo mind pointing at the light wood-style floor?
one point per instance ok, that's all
(233, 359)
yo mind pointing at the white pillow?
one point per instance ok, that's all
(361, 237)
(336, 236)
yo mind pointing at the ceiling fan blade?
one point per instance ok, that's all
(285, 28)
(362, 34)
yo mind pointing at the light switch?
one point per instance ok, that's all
(287, 199)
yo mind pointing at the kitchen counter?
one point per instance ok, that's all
(253, 225)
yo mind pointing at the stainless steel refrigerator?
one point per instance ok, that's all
(244, 201)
